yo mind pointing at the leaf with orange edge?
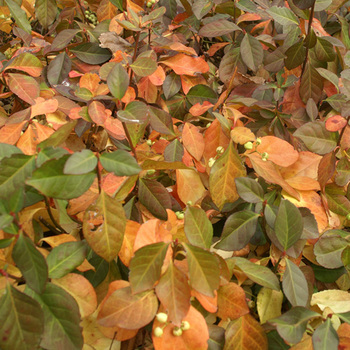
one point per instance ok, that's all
(222, 177)
(26, 62)
(174, 293)
(193, 141)
(245, 333)
(199, 109)
(126, 251)
(106, 10)
(28, 141)
(129, 96)
(43, 106)
(158, 77)
(280, 152)
(344, 336)
(209, 303)
(335, 123)
(303, 183)
(114, 128)
(147, 90)
(184, 64)
(304, 344)
(81, 290)
(241, 135)
(25, 87)
(189, 186)
(98, 112)
(90, 81)
(194, 338)
(127, 310)
(10, 133)
(271, 173)
(187, 82)
(232, 302)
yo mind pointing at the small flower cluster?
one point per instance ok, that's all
(249, 146)
(150, 3)
(219, 150)
(177, 331)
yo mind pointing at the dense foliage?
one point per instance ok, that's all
(174, 174)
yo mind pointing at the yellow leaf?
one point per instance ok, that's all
(241, 135)
(189, 185)
(337, 300)
(269, 304)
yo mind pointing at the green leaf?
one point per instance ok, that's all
(45, 11)
(201, 93)
(311, 85)
(31, 263)
(337, 203)
(155, 197)
(80, 163)
(161, 121)
(118, 81)
(316, 137)
(146, 265)
(203, 270)
(324, 50)
(252, 52)
(50, 180)
(61, 314)
(292, 324)
(49, 153)
(64, 258)
(239, 228)
(19, 15)
(344, 316)
(7, 150)
(13, 172)
(171, 85)
(91, 53)
(59, 136)
(25, 87)
(6, 242)
(257, 273)
(295, 55)
(249, 190)
(174, 151)
(330, 76)
(120, 162)
(59, 69)
(294, 285)
(325, 336)
(303, 4)
(288, 224)
(218, 28)
(104, 226)
(321, 5)
(283, 15)
(63, 38)
(134, 112)
(198, 228)
(228, 64)
(21, 319)
(144, 66)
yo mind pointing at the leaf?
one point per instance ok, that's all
(80, 163)
(201, 93)
(31, 263)
(232, 302)
(189, 186)
(269, 304)
(251, 52)
(19, 15)
(104, 225)
(64, 258)
(127, 310)
(42, 106)
(145, 266)
(239, 228)
(303, 4)
(244, 334)
(316, 138)
(335, 123)
(155, 197)
(311, 85)
(203, 270)
(174, 151)
(198, 228)
(120, 162)
(91, 53)
(184, 64)
(61, 319)
(283, 15)
(171, 85)
(22, 320)
(295, 55)
(292, 324)
(13, 172)
(118, 81)
(45, 11)
(325, 336)
(134, 112)
(25, 87)
(294, 285)
(52, 182)
(161, 121)
(324, 50)
(218, 28)
(249, 189)
(59, 69)
(26, 62)
(193, 141)
(241, 135)
(336, 300)
(144, 66)
(174, 293)
(222, 177)
(63, 38)
(257, 273)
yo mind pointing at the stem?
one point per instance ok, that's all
(110, 347)
(135, 54)
(50, 227)
(127, 134)
(308, 34)
(82, 12)
(60, 228)
(99, 178)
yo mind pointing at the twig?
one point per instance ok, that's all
(59, 227)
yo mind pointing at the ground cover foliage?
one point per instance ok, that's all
(174, 174)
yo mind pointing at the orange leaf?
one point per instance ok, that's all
(303, 183)
(43, 106)
(280, 152)
(114, 128)
(127, 250)
(193, 141)
(304, 344)
(111, 183)
(176, 46)
(129, 96)
(188, 81)
(215, 47)
(335, 123)
(231, 302)
(245, 334)
(157, 78)
(90, 81)
(344, 336)
(189, 185)
(105, 10)
(183, 64)
(25, 87)
(241, 135)
(98, 112)
(209, 303)
(194, 338)
(10, 133)
(198, 109)
(28, 141)
(147, 90)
